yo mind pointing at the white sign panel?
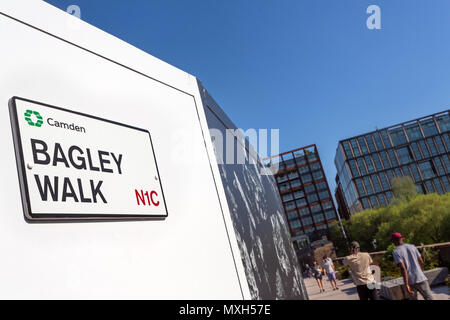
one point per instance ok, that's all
(74, 166)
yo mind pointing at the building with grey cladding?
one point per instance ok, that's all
(366, 164)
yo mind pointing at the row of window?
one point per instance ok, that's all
(310, 230)
(386, 139)
(440, 185)
(381, 181)
(298, 160)
(396, 157)
(302, 180)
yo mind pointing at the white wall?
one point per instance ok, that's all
(187, 256)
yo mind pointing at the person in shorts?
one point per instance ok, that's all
(328, 266)
(317, 273)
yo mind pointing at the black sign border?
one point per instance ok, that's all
(49, 218)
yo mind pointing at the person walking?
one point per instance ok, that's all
(328, 266)
(410, 261)
(359, 265)
(317, 273)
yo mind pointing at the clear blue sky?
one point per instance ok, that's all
(310, 68)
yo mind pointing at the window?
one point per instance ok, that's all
(377, 162)
(303, 169)
(301, 202)
(385, 160)
(404, 155)
(307, 221)
(324, 195)
(315, 209)
(389, 196)
(369, 164)
(440, 144)
(311, 156)
(393, 158)
(312, 197)
(444, 122)
(438, 186)
(446, 161)
(295, 224)
(374, 201)
(295, 183)
(300, 159)
(355, 148)
(360, 187)
(315, 166)
(330, 214)
(423, 146)
(413, 132)
(347, 150)
(429, 186)
(428, 127)
(432, 147)
(289, 205)
(287, 197)
(317, 175)
(416, 150)
(306, 178)
(362, 145)
(390, 176)
(299, 194)
(284, 186)
(304, 212)
(289, 163)
(370, 143)
(446, 183)
(376, 183)
(292, 215)
(386, 140)
(447, 140)
(384, 181)
(368, 185)
(415, 172)
(293, 175)
(362, 167)
(321, 186)
(378, 141)
(381, 199)
(365, 203)
(353, 168)
(398, 136)
(318, 218)
(282, 178)
(327, 205)
(427, 170)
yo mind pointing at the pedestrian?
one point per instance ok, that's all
(328, 266)
(317, 273)
(308, 271)
(359, 265)
(408, 258)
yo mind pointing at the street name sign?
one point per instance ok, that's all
(78, 167)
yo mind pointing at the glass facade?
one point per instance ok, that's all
(367, 164)
(305, 193)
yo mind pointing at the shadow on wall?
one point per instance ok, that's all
(270, 263)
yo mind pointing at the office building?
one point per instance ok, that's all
(305, 192)
(366, 164)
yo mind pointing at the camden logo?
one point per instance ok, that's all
(34, 118)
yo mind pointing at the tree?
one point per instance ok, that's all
(404, 188)
(421, 219)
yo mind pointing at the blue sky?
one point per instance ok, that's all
(310, 68)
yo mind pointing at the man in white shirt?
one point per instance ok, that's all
(408, 258)
(359, 265)
(328, 265)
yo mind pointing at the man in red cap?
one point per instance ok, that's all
(408, 258)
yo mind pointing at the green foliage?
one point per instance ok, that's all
(423, 219)
(404, 189)
(389, 255)
(342, 272)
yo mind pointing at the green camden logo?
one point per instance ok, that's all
(37, 116)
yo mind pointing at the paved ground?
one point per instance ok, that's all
(347, 291)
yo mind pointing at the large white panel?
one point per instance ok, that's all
(186, 256)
